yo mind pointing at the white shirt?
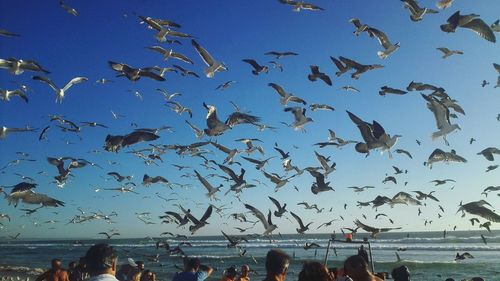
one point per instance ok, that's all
(103, 277)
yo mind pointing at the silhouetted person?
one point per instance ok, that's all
(245, 269)
(315, 271)
(55, 273)
(101, 261)
(357, 269)
(277, 263)
(229, 274)
(193, 271)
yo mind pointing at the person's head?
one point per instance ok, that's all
(101, 259)
(314, 271)
(140, 265)
(355, 266)
(191, 264)
(231, 272)
(148, 275)
(244, 270)
(56, 264)
(277, 263)
(72, 265)
(401, 273)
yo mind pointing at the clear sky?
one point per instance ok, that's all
(70, 46)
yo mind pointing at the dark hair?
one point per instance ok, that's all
(56, 263)
(400, 273)
(192, 263)
(231, 271)
(277, 261)
(99, 258)
(314, 271)
(356, 263)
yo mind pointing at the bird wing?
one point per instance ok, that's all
(207, 58)
(207, 214)
(382, 37)
(278, 89)
(299, 220)
(481, 28)
(253, 63)
(151, 75)
(74, 81)
(46, 80)
(350, 63)
(482, 211)
(152, 23)
(365, 227)
(258, 214)
(275, 202)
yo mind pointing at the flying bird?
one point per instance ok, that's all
(269, 227)
(299, 116)
(302, 228)
(416, 12)
(471, 22)
(212, 64)
(60, 92)
(297, 6)
(17, 67)
(315, 74)
(373, 230)
(447, 52)
(133, 74)
(257, 68)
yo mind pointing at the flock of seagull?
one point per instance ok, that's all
(231, 170)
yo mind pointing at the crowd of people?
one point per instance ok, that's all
(100, 264)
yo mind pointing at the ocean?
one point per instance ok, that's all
(428, 255)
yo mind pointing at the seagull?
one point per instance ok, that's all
(491, 168)
(360, 68)
(497, 68)
(133, 74)
(316, 106)
(390, 178)
(382, 38)
(488, 153)
(484, 83)
(286, 97)
(361, 189)
(308, 246)
(302, 228)
(477, 208)
(225, 85)
(359, 27)
(185, 72)
(269, 227)
(170, 54)
(108, 236)
(148, 180)
(281, 209)
(349, 88)
(300, 118)
(4, 131)
(197, 224)
(68, 9)
(158, 25)
(320, 185)
(30, 197)
(463, 256)
(324, 163)
(443, 4)
(442, 117)
(179, 109)
(441, 182)
(486, 225)
(60, 92)
(315, 74)
(388, 90)
(276, 65)
(211, 190)
(416, 12)
(122, 189)
(7, 33)
(472, 22)
(212, 65)
(424, 196)
(447, 52)
(374, 136)
(257, 68)
(17, 67)
(215, 126)
(277, 180)
(439, 155)
(115, 143)
(280, 55)
(7, 94)
(119, 177)
(403, 198)
(374, 231)
(402, 151)
(297, 6)
(179, 219)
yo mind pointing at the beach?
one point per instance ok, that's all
(427, 255)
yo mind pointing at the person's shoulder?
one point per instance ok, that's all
(201, 275)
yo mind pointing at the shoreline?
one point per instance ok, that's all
(19, 272)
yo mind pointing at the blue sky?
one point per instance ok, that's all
(72, 46)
